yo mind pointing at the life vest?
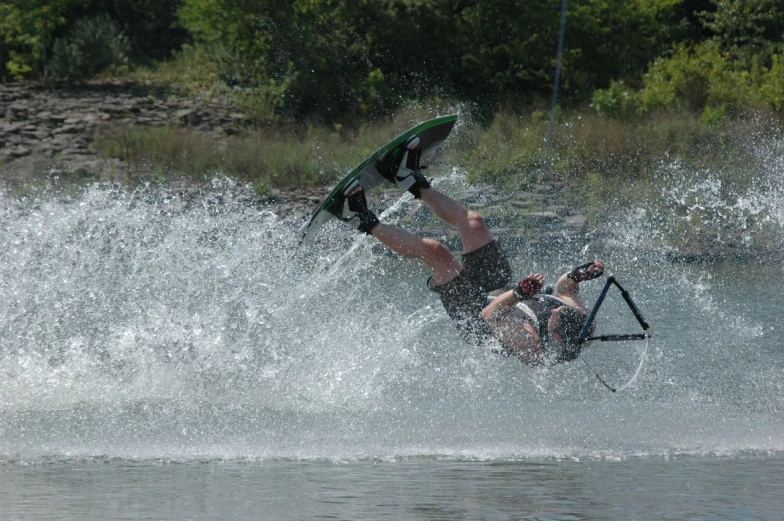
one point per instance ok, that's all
(537, 311)
(541, 307)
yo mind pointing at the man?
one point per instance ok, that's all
(475, 292)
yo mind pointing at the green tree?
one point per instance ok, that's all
(93, 45)
(27, 30)
(617, 40)
(746, 30)
(415, 46)
(30, 28)
(307, 53)
(150, 26)
(510, 48)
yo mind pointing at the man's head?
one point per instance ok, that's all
(565, 324)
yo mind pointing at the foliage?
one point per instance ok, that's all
(30, 28)
(317, 59)
(738, 67)
(772, 89)
(93, 45)
(342, 63)
(339, 62)
(27, 30)
(746, 31)
(616, 101)
(697, 79)
(151, 27)
(614, 40)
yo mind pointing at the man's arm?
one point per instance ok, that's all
(511, 329)
(526, 288)
(499, 304)
(568, 284)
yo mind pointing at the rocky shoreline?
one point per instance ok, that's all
(54, 128)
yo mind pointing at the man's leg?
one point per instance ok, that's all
(439, 259)
(483, 259)
(463, 297)
(471, 226)
(401, 167)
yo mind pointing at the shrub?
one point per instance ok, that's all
(93, 45)
(772, 89)
(701, 80)
(616, 101)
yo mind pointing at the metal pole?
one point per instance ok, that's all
(561, 36)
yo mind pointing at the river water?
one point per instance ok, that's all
(162, 361)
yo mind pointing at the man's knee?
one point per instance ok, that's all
(442, 263)
(436, 250)
(476, 221)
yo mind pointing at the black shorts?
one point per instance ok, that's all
(464, 297)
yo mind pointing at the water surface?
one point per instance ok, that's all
(163, 360)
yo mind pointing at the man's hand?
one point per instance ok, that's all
(529, 286)
(588, 271)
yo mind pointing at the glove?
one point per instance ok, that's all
(581, 273)
(527, 288)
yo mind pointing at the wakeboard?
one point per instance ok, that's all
(432, 134)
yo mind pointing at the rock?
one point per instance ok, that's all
(19, 151)
(187, 117)
(61, 140)
(46, 150)
(67, 129)
(11, 128)
(16, 112)
(37, 135)
(546, 217)
(76, 152)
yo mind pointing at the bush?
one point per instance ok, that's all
(94, 45)
(700, 80)
(772, 89)
(616, 101)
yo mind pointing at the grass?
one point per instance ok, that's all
(268, 157)
(264, 158)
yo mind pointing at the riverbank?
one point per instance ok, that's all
(129, 133)
(53, 133)
(55, 129)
